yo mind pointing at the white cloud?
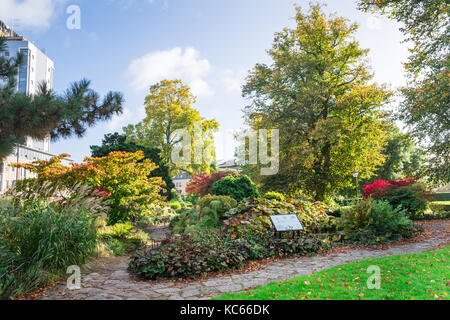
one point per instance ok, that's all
(118, 121)
(128, 116)
(164, 3)
(233, 80)
(28, 14)
(171, 64)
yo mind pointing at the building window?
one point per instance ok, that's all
(23, 72)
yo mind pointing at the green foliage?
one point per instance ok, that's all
(220, 203)
(206, 217)
(40, 242)
(120, 230)
(122, 238)
(237, 188)
(179, 222)
(157, 215)
(7, 207)
(318, 92)
(403, 158)
(192, 198)
(114, 247)
(411, 198)
(376, 221)
(215, 246)
(73, 197)
(60, 115)
(175, 205)
(169, 107)
(424, 108)
(185, 258)
(117, 142)
(121, 177)
(272, 195)
(252, 216)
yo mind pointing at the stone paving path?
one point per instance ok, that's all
(111, 279)
(158, 233)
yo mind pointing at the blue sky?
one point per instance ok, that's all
(127, 45)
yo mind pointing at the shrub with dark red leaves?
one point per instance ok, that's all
(379, 185)
(407, 193)
(375, 187)
(202, 183)
(102, 192)
(185, 258)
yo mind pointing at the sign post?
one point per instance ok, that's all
(286, 223)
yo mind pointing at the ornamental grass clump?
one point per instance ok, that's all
(38, 242)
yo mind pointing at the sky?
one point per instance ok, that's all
(128, 45)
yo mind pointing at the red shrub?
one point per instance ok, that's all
(102, 192)
(378, 186)
(196, 183)
(202, 183)
(399, 183)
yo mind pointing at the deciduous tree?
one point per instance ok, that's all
(168, 108)
(117, 142)
(425, 107)
(123, 175)
(318, 93)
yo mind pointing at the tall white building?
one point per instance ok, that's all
(36, 69)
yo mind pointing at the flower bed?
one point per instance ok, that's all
(245, 234)
(184, 258)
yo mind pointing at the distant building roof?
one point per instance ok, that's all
(229, 164)
(182, 176)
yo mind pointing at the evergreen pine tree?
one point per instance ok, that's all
(45, 113)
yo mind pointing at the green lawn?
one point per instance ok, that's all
(441, 203)
(413, 276)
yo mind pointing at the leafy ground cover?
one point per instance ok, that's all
(422, 276)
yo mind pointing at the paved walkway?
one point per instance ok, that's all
(111, 279)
